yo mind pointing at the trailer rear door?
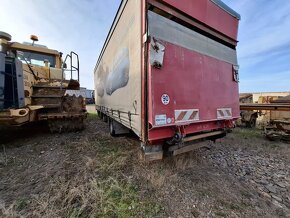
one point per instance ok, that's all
(192, 78)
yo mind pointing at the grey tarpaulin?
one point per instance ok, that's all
(170, 31)
(227, 8)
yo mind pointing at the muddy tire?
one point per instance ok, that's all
(99, 114)
(112, 129)
(63, 126)
(252, 123)
(105, 118)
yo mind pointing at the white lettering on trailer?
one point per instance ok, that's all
(160, 120)
(165, 99)
(186, 115)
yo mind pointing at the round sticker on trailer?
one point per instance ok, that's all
(165, 99)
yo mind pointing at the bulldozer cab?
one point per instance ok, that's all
(33, 84)
(25, 65)
(37, 59)
(45, 63)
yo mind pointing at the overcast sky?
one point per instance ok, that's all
(82, 26)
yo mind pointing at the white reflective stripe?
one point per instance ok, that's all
(177, 114)
(186, 115)
(224, 113)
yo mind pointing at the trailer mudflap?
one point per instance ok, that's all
(188, 148)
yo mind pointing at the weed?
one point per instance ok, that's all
(77, 213)
(195, 212)
(248, 133)
(121, 199)
(92, 115)
(220, 214)
(246, 194)
(21, 204)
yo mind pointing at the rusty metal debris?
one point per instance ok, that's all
(278, 130)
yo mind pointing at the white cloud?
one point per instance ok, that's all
(64, 25)
(82, 26)
(264, 44)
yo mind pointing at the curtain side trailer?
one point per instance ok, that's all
(168, 71)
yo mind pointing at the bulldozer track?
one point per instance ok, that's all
(66, 125)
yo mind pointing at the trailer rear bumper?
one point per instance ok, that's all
(187, 144)
(157, 135)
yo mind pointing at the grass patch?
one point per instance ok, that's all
(97, 181)
(92, 115)
(246, 194)
(21, 204)
(121, 199)
(248, 133)
(220, 214)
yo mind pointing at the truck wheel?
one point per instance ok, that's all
(105, 118)
(112, 128)
(252, 122)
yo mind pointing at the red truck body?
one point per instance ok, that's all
(187, 84)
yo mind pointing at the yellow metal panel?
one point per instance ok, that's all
(22, 47)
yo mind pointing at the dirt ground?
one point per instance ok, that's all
(90, 174)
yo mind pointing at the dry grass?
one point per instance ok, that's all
(101, 186)
(91, 174)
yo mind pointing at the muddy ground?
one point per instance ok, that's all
(90, 174)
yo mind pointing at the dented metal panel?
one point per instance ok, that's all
(170, 31)
(157, 51)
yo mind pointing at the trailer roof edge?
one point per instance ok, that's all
(226, 8)
(112, 28)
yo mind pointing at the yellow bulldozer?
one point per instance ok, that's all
(33, 85)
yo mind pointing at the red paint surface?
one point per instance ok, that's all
(210, 14)
(193, 81)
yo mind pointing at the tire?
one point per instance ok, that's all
(252, 123)
(111, 128)
(105, 118)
